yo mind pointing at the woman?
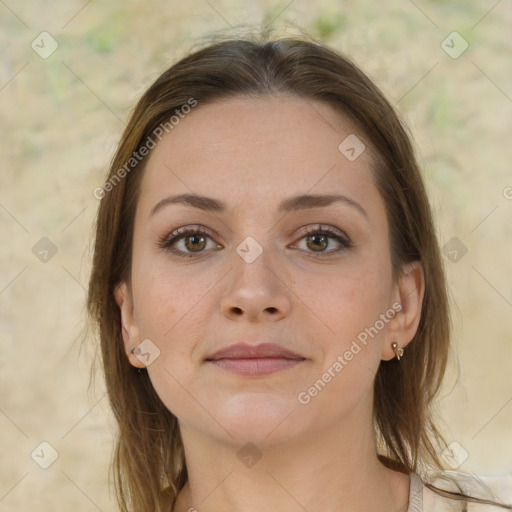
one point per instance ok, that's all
(269, 293)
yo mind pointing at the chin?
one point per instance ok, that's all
(260, 418)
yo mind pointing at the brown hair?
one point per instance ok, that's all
(149, 453)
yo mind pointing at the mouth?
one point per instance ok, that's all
(255, 360)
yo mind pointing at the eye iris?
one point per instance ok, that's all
(195, 248)
(323, 243)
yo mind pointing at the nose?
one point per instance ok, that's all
(256, 291)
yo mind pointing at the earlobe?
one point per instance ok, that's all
(403, 327)
(129, 327)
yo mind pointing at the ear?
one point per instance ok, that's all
(409, 292)
(130, 329)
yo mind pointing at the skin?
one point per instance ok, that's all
(252, 153)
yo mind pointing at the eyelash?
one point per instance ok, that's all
(167, 242)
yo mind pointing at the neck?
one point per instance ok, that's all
(336, 469)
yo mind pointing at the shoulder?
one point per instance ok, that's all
(493, 488)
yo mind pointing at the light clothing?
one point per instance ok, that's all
(423, 499)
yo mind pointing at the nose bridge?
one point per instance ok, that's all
(253, 266)
(255, 286)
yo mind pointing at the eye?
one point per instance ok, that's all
(317, 239)
(187, 241)
(193, 240)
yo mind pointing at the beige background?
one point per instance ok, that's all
(61, 117)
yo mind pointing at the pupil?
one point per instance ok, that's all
(195, 238)
(316, 237)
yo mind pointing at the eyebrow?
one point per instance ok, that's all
(295, 203)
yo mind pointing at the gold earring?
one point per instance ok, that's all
(398, 351)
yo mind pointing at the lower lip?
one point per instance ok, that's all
(256, 366)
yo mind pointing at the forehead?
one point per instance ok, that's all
(258, 148)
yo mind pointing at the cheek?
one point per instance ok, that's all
(169, 314)
(352, 310)
(352, 299)
(172, 308)
(357, 310)
(167, 298)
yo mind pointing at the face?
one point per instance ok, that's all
(253, 265)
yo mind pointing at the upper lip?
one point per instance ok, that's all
(245, 351)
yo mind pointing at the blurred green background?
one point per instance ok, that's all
(62, 113)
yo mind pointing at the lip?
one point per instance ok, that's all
(254, 360)
(245, 351)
